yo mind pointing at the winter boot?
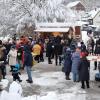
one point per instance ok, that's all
(67, 78)
(87, 83)
(83, 85)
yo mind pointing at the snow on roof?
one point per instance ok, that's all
(59, 25)
(72, 4)
(52, 30)
(53, 25)
(93, 13)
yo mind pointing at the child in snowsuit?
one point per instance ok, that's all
(15, 73)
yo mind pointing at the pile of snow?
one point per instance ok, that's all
(15, 88)
(49, 96)
(9, 96)
(14, 93)
(4, 83)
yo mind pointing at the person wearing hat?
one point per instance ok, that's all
(84, 68)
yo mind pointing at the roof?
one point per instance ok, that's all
(73, 4)
(93, 13)
(53, 25)
(52, 30)
(56, 27)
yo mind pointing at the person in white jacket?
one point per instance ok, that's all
(12, 57)
(13, 64)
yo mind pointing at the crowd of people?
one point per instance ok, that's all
(72, 55)
(69, 53)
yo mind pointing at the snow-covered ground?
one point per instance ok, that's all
(49, 84)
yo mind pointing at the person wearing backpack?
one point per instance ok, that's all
(3, 57)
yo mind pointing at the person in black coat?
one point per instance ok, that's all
(97, 51)
(84, 71)
(49, 51)
(67, 63)
(58, 49)
(28, 62)
(83, 47)
(97, 47)
(92, 44)
(3, 57)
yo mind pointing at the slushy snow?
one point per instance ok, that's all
(15, 93)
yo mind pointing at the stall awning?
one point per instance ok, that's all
(52, 30)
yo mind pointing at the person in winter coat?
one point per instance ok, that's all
(37, 50)
(3, 57)
(90, 45)
(67, 63)
(83, 68)
(58, 48)
(49, 50)
(12, 57)
(97, 47)
(73, 45)
(75, 64)
(97, 52)
(42, 51)
(28, 62)
(8, 45)
(83, 47)
(15, 73)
